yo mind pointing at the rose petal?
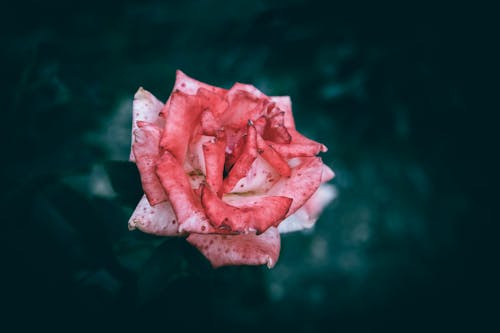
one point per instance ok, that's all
(214, 162)
(182, 118)
(259, 179)
(259, 214)
(249, 249)
(209, 124)
(235, 143)
(260, 125)
(158, 220)
(212, 102)
(195, 160)
(307, 215)
(319, 200)
(327, 174)
(190, 86)
(244, 162)
(145, 108)
(275, 130)
(146, 151)
(186, 206)
(243, 106)
(272, 157)
(302, 183)
(297, 150)
(299, 139)
(284, 103)
(248, 88)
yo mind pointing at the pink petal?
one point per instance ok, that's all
(299, 139)
(157, 220)
(285, 104)
(244, 161)
(145, 108)
(248, 88)
(272, 157)
(275, 130)
(235, 143)
(146, 151)
(212, 102)
(186, 206)
(248, 249)
(243, 106)
(307, 215)
(288, 151)
(260, 125)
(182, 118)
(190, 86)
(259, 214)
(214, 162)
(303, 182)
(209, 124)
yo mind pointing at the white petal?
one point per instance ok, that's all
(248, 249)
(259, 179)
(145, 108)
(158, 220)
(307, 215)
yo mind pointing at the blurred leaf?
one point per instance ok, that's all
(172, 262)
(136, 248)
(125, 181)
(93, 224)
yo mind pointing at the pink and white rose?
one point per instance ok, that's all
(227, 169)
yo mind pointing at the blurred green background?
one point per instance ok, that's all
(396, 92)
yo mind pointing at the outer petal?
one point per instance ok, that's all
(285, 104)
(182, 118)
(297, 150)
(190, 86)
(258, 214)
(146, 151)
(186, 206)
(248, 88)
(327, 174)
(145, 108)
(320, 199)
(249, 249)
(298, 138)
(307, 215)
(303, 182)
(158, 220)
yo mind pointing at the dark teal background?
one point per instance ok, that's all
(399, 94)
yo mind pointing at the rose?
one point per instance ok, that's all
(227, 168)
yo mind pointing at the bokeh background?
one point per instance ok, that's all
(397, 93)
